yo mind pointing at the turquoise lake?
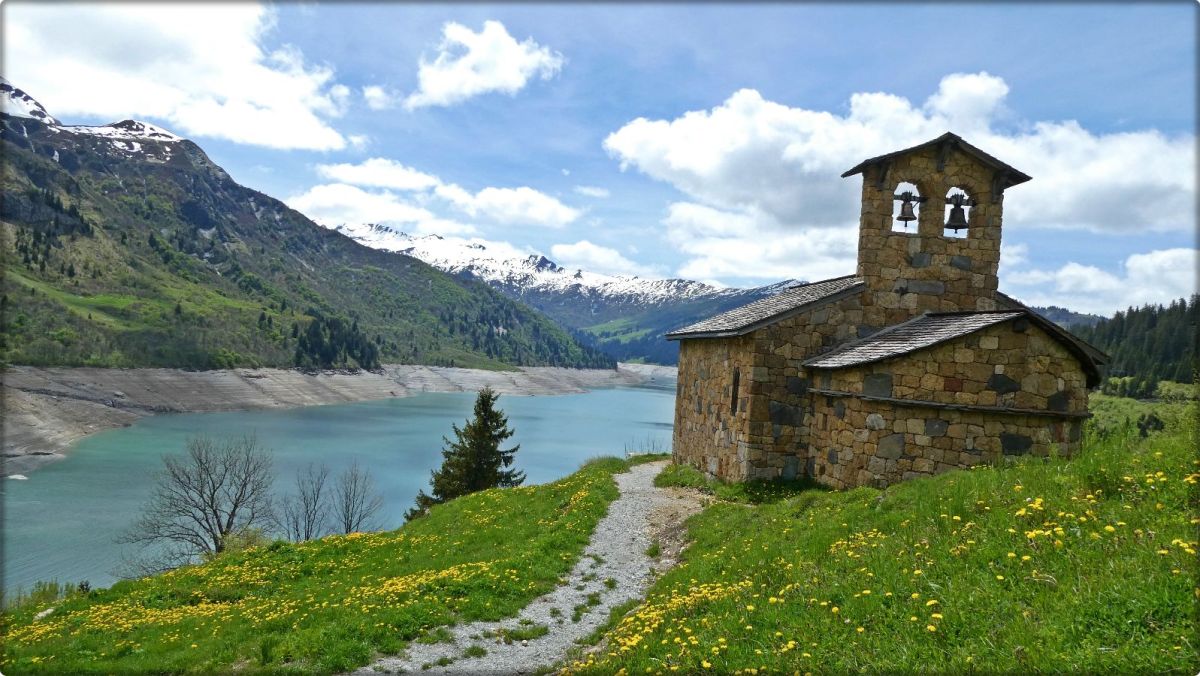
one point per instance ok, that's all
(62, 523)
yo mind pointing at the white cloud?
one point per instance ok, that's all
(378, 172)
(724, 244)
(513, 206)
(1154, 277)
(378, 98)
(334, 203)
(767, 199)
(585, 255)
(201, 68)
(753, 155)
(469, 64)
(592, 191)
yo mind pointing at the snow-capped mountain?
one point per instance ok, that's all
(19, 104)
(127, 136)
(501, 265)
(625, 316)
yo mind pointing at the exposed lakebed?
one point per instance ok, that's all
(61, 523)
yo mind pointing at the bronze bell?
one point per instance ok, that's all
(958, 215)
(907, 213)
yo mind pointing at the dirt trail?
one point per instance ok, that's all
(617, 551)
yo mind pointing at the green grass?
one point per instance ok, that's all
(327, 605)
(1084, 565)
(1111, 414)
(749, 492)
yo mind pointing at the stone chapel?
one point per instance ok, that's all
(914, 365)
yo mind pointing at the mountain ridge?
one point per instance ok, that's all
(129, 246)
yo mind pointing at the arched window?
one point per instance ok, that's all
(733, 398)
(907, 208)
(958, 212)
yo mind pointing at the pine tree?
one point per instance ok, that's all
(473, 461)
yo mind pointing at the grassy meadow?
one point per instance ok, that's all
(327, 605)
(1086, 565)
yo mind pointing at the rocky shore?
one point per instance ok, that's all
(48, 409)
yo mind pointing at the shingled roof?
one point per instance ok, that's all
(933, 328)
(1011, 175)
(915, 334)
(744, 319)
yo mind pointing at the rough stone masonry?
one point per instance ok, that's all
(914, 365)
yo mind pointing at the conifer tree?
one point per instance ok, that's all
(473, 461)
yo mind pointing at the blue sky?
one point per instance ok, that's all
(694, 140)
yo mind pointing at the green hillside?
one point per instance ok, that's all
(1083, 565)
(1080, 566)
(1149, 344)
(326, 605)
(158, 258)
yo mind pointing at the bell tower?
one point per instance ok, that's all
(929, 231)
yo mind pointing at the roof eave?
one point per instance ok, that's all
(767, 321)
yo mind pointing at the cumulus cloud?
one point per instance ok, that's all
(512, 206)
(723, 244)
(210, 75)
(378, 98)
(767, 172)
(378, 172)
(595, 258)
(469, 64)
(1154, 277)
(592, 191)
(786, 162)
(336, 203)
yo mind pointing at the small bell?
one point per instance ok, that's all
(958, 215)
(907, 213)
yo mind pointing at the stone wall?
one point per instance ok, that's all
(908, 273)
(708, 435)
(1016, 366)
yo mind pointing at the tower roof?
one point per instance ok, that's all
(1010, 175)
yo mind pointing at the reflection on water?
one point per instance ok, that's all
(60, 524)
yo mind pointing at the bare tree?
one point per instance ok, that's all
(216, 490)
(302, 515)
(355, 501)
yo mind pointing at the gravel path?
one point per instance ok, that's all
(617, 551)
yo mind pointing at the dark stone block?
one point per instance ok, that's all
(791, 466)
(1002, 384)
(810, 466)
(1058, 401)
(797, 386)
(961, 262)
(930, 287)
(920, 260)
(826, 378)
(935, 427)
(878, 385)
(1075, 431)
(1015, 444)
(831, 456)
(839, 409)
(782, 414)
(1020, 324)
(891, 447)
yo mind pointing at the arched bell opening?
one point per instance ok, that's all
(907, 211)
(957, 215)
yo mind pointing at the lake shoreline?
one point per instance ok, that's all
(47, 410)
